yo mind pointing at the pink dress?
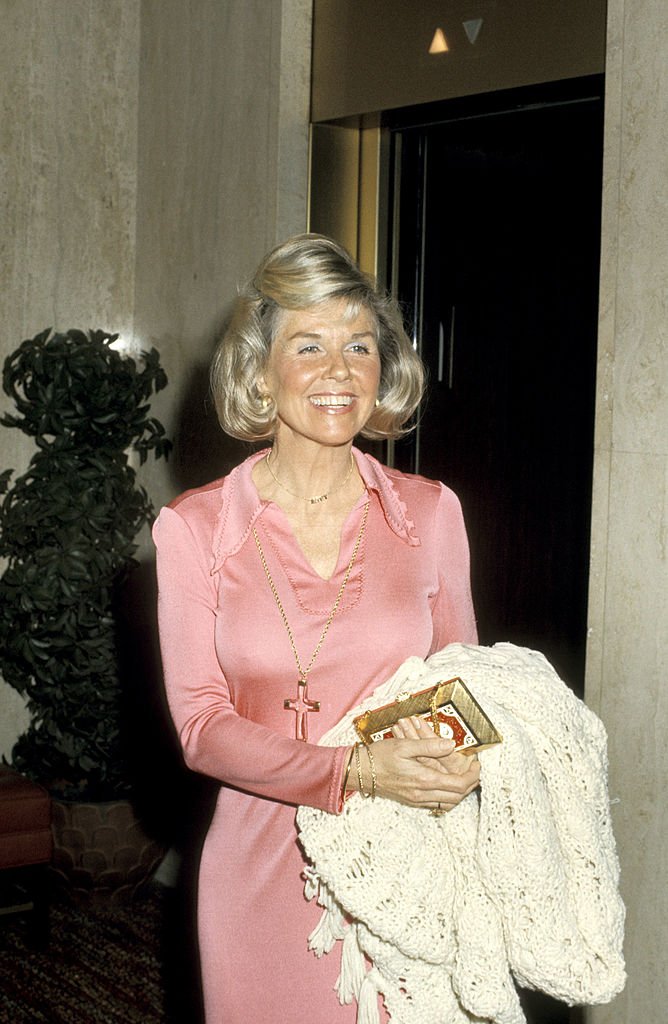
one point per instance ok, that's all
(228, 668)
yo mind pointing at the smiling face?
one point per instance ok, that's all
(323, 373)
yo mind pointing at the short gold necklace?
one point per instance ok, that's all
(318, 497)
(301, 705)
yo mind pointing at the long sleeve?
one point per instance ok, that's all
(215, 739)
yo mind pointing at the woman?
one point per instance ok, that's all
(289, 590)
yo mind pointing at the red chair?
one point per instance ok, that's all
(26, 844)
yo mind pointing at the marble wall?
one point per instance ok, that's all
(628, 649)
(68, 174)
(68, 143)
(222, 176)
(150, 152)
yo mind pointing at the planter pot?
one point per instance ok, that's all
(101, 852)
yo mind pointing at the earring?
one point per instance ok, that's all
(377, 402)
(265, 401)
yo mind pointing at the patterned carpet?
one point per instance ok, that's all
(128, 965)
(102, 966)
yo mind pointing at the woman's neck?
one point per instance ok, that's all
(310, 473)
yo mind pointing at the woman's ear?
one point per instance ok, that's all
(263, 391)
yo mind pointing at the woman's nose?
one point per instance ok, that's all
(338, 367)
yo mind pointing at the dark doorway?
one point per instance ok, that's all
(496, 240)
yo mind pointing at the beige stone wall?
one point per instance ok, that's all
(68, 143)
(150, 152)
(628, 648)
(222, 176)
(68, 169)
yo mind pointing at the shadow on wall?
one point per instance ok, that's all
(202, 451)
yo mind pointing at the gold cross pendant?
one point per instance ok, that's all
(301, 705)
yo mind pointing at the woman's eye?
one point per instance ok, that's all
(307, 349)
(359, 347)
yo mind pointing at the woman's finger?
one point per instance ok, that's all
(450, 797)
(413, 728)
(413, 772)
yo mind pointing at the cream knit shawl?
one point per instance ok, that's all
(519, 882)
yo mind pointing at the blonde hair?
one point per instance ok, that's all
(305, 271)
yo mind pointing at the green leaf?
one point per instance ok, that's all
(67, 532)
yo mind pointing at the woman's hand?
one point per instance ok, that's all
(417, 728)
(418, 769)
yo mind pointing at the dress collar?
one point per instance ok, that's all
(241, 505)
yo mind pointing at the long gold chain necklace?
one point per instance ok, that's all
(301, 704)
(317, 498)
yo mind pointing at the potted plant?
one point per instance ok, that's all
(67, 534)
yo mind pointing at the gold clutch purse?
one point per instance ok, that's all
(450, 709)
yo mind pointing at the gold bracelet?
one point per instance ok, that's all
(372, 766)
(344, 784)
(358, 767)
